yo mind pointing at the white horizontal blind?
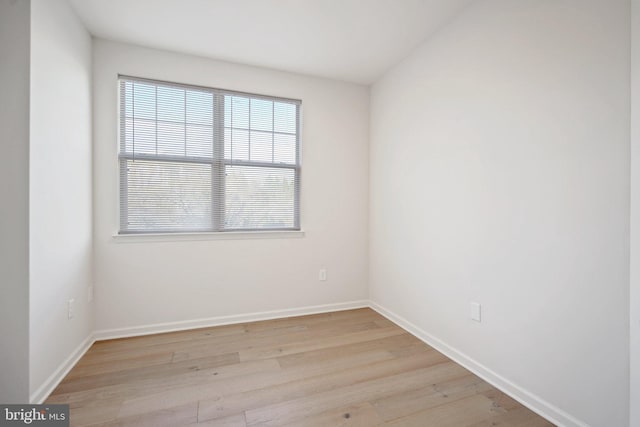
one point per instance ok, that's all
(203, 159)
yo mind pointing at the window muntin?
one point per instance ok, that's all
(196, 159)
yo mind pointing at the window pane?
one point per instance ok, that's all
(227, 111)
(199, 108)
(240, 144)
(259, 197)
(144, 101)
(163, 196)
(171, 104)
(284, 117)
(128, 99)
(262, 146)
(284, 148)
(240, 112)
(171, 138)
(127, 132)
(261, 115)
(227, 144)
(144, 136)
(199, 141)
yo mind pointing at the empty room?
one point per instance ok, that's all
(320, 213)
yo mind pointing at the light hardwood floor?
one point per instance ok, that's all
(347, 368)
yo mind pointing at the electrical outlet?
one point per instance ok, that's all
(71, 308)
(322, 274)
(89, 293)
(475, 311)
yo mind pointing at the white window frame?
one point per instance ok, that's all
(218, 163)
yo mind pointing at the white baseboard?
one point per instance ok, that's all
(39, 396)
(52, 382)
(157, 328)
(530, 400)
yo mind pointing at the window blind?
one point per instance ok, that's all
(202, 159)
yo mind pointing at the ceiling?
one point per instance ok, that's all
(350, 40)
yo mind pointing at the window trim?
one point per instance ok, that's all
(208, 235)
(217, 231)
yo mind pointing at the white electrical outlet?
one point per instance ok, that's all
(475, 311)
(70, 308)
(89, 293)
(322, 274)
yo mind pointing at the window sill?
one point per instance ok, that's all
(230, 235)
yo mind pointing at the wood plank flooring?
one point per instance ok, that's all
(347, 368)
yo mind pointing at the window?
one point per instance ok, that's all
(200, 159)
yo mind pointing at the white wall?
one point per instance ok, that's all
(141, 283)
(634, 299)
(500, 174)
(14, 205)
(60, 187)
